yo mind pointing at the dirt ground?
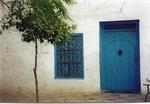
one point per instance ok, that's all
(72, 97)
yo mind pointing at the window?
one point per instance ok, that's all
(128, 24)
(69, 58)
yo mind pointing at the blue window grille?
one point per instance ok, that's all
(69, 58)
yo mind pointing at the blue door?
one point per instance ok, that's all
(119, 56)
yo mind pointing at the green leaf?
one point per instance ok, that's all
(41, 19)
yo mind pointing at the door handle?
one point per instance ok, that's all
(119, 52)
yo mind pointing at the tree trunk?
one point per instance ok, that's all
(35, 72)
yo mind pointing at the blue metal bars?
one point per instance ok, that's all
(70, 58)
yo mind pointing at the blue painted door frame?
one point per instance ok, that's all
(119, 56)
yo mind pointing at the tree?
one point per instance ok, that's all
(39, 20)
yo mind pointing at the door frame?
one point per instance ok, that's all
(101, 32)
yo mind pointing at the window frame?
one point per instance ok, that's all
(55, 61)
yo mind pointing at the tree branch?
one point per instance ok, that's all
(4, 3)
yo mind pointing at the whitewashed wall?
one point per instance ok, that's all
(17, 57)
